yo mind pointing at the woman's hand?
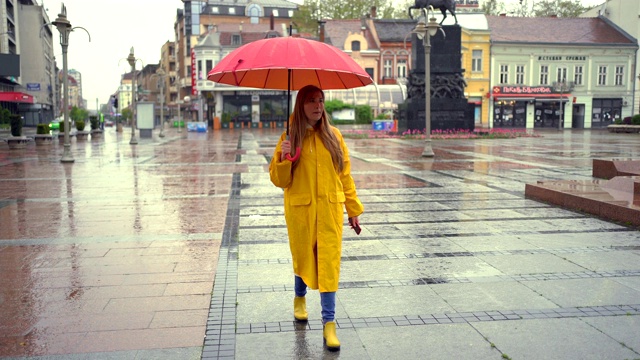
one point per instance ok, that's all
(285, 146)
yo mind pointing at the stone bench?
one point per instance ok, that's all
(608, 169)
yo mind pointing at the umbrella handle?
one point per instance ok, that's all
(294, 157)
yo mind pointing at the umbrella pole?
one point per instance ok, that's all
(288, 100)
(297, 155)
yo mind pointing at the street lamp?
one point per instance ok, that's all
(562, 86)
(64, 27)
(187, 101)
(425, 32)
(161, 74)
(131, 59)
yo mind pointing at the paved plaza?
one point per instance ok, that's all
(176, 248)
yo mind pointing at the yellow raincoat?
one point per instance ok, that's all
(313, 208)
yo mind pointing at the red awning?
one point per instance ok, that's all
(16, 97)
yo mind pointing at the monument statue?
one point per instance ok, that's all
(445, 85)
(443, 5)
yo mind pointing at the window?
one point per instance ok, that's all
(232, 11)
(402, 68)
(561, 75)
(200, 74)
(275, 12)
(355, 45)
(215, 10)
(235, 39)
(544, 74)
(476, 60)
(619, 75)
(504, 74)
(602, 75)
(577, 74)
(369, 71)
(520, 74)
(387, 68)
(209, 65)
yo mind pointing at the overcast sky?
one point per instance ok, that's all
(115, 26)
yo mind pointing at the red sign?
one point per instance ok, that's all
(522, 90)
(194, 89)
(16, 97)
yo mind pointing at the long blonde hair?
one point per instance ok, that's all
(298, 128)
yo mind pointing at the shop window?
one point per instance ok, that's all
(619, 75)
(504, 74)
(602, 75)
(510, 114)
(577, 74)
(476, 60)
(544, 75)
(605, 111)
(520, 74)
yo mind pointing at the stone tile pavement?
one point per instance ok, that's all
(176, 249)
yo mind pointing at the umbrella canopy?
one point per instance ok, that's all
(265, 64)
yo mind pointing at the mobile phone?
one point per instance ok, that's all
(355, 228)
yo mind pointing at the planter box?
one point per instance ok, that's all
(225, 125)
(18, 142)
(43, 139)
(82, 135)
(96, 134)
(624, 128)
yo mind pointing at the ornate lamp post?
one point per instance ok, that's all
(64, 27)
(424, 32)
(131, 59)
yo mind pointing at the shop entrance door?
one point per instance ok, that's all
(577, 122)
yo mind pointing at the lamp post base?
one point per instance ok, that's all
(428, 151)
(66, 155)
(133, 141)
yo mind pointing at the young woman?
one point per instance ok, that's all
(317, 187)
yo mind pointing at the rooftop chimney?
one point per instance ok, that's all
(321, 23)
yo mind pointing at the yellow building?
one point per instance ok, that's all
(476, 53)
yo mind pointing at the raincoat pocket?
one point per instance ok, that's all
(337, 197)
(299, 199)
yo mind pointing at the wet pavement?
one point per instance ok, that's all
(176, 248)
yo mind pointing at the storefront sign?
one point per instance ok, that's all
(522, 90)
(194, 87)
(562, 58)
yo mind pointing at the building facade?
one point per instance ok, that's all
(28, 81)
(559, 72)
(240, 20)
(624, 14)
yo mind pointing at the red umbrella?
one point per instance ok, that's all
(289, 63)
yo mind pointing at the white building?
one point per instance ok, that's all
(530, 57)
(626, 15)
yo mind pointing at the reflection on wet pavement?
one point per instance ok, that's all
(144, 251)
